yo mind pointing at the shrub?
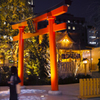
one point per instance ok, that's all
(72, 79)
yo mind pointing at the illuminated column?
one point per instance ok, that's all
(21, 54)
(53, 59)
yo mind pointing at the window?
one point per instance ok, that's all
(73, 28)
(93, 37)
(92, 42)
(68, 21)
(69, 27)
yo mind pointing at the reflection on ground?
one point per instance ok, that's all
(28, 98)
(25, 94)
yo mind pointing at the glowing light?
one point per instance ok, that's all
(65, 40)
(68, 21)
(85, 61)
(91, 58)
(5, 36)
(29, 2)
(73, 28)
(40, 39)
(92, 42)
(42, 96)
(88, 51)
(76, 70)
(4, 23)
(69, 27)
(93, 37)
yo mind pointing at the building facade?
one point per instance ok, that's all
(93, 36)
(76, 27)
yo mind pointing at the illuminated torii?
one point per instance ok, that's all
(50, 29)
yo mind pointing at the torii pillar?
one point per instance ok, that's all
(53, 59)
(50, 29)
(21, 54)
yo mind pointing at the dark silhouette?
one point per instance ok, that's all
(13, 81)
(99, 64)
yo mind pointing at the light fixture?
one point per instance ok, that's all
(85, 61)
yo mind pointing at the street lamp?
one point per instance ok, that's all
(85, 62)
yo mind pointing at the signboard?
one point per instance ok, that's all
(71, 55)
(31, 26)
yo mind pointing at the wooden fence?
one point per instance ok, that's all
(89, 88)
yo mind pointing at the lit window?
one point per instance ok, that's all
(69, 27)
(73, 28)
(93, 37)
(68, 21)
(92, 42)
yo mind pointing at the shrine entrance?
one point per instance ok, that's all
(51, 28)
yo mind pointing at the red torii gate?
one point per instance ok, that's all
(51, 28)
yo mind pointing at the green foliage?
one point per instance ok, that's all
(4, 74)
(12, 11)
(35, 54)
(38, 57)
(72, 79)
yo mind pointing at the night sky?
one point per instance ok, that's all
(79, 8)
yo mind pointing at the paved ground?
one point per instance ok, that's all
(69, 92)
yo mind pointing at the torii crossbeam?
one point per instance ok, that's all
(50, 29)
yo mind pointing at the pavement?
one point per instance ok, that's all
(69, 92)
